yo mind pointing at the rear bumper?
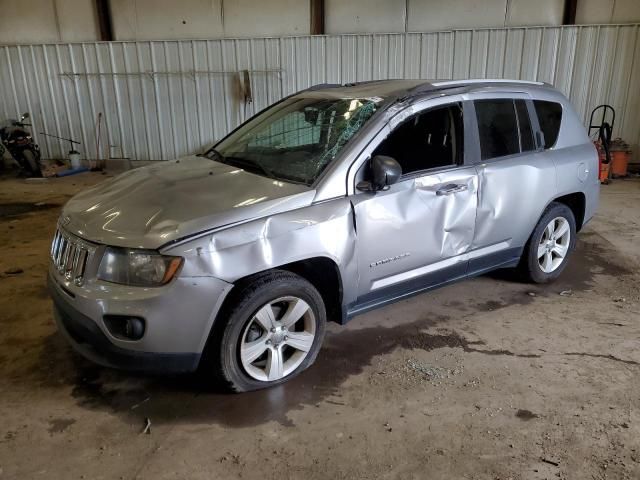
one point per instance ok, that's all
(89, 340)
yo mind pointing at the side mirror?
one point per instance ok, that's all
(25, 115)
(385, 171)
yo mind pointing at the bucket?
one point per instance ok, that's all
(620, 156)
(74, 157)
(619, 163)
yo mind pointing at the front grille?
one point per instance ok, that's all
(69, 255)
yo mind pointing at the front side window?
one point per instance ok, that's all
(427, 140)
(295, 140)
(549, 117)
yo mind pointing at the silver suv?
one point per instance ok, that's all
(332, 202)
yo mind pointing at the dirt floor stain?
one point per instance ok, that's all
(526, 415)
(16, 209)
(59, 425)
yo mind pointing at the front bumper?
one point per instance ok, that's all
(178, 321)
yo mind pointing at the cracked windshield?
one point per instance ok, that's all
(295, 140)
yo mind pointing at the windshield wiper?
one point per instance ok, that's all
(245, 162)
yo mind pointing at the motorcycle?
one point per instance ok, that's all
(19, 142)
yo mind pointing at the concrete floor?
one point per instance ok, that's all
(486, 379)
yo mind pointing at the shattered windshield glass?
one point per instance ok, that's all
(295, 140)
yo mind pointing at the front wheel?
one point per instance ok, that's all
(270, 332)
(547, 251)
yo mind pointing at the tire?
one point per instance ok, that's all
(240, 334)
(547, 251)
(31, 161)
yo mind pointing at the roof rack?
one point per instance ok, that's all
(322, 86)
(472, 81)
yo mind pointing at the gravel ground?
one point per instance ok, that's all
(485, 379)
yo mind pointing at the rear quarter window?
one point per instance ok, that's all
(549, 118)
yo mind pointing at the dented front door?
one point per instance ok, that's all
(414, 234)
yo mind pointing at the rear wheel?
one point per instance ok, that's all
(32, 163)
(272, 331)
(547, 251)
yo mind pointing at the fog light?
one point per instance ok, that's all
(125, 327)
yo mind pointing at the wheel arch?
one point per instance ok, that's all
(322, 272)
(576, 202)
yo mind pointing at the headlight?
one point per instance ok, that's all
(137, 267)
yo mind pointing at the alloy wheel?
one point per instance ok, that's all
(277, 339)
(554, 244)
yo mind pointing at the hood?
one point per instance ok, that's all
(151, 206)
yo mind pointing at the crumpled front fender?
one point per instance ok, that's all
(320, 230)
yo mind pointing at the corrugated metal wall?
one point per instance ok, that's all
(161, 99)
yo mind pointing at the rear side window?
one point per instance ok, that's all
(549, 117)
(498, 128)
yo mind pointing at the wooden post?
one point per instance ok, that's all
(103, 9)
(569, 15)
(317, 17)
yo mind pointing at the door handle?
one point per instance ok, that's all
(451, 188)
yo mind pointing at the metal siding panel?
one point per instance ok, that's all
(57, 150)
(462, 54)
(631, 114)
(230, 82)
(444, 68)
(364, 51)
(81, 98)
(64, 65)
(333, 60)
(429, 56)
(380, 63)
(244, 61)
(565, 58)
(412, 56)
(514, 45)
(217, 86)
(584, 60)
(27, 88)
(548, 55)
(42, 101)
(303, 62)
(479, 54)
(116, 64)
(161, 100)
(287, 47)
(273, 61)
(348, 51)
(621, 74)
(496, 52)
(259, 85)
(4, 96)
(602, 70)
(317, 53)
(531, 53)
(395, 56)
